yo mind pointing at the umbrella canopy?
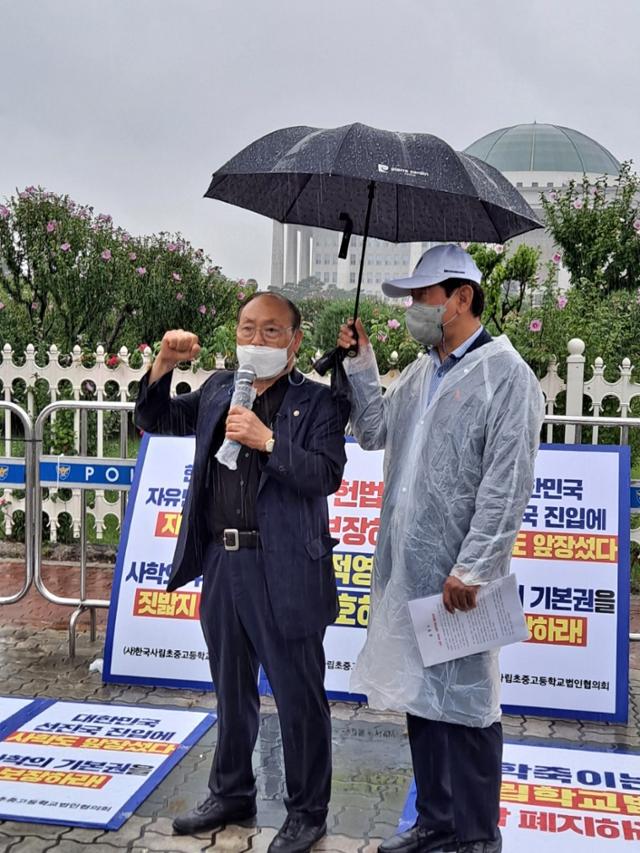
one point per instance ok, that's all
(422, 188)
(400, 187)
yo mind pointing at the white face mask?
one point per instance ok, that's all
(266, 361)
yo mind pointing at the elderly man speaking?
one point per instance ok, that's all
(258, 532)
(460, 429)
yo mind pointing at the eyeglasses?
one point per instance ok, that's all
(270, 333)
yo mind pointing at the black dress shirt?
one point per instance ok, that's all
(234, 504)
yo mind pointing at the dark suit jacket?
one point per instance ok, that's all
(305, 467)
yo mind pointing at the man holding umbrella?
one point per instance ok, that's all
(460, 429)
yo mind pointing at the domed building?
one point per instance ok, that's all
(536, 158)
(550, 152)
(539, 158)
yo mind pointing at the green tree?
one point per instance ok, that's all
(597, 227)
(608, 324)
(69, 276)
(508, 281)
(385, 326)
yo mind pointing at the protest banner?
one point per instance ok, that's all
(571, 559)
(154, 636)
(11, 708)
(89, 764)
(559, 800)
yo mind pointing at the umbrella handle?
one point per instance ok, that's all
(352, 352)
(329, 360)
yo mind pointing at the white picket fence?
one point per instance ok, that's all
(122, 379)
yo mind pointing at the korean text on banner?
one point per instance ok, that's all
(154, 636)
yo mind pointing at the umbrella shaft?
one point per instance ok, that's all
(367, 220)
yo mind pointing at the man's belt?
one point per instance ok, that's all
(233, 539)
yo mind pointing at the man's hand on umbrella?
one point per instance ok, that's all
(176, 346)
(346, 338)
(458, 596)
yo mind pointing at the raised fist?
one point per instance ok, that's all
(178, 345)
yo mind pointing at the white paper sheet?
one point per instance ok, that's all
(497, 620)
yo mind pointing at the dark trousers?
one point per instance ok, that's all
(241, 632)
(458, 771)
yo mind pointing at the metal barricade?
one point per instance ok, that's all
(35, 481)
(21, 476)
(81, 603)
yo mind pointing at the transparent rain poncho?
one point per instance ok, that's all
(458, 476)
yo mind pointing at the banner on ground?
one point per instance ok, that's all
(571, 559)
(12, 708)
(89, 764)
(559, 800)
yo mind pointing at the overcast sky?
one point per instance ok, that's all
(130, 105)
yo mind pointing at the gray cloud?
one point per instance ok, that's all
(131, 104)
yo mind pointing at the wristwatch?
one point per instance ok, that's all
(268, 447)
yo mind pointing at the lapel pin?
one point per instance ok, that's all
(296, 413)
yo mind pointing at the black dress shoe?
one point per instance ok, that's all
(419, 840)
(212, 814)
(296, 836)
(494, 846)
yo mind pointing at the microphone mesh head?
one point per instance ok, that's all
(246, 373)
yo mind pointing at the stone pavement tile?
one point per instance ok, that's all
(626, 739)
(31, 844)
(6, 841)
(568, 731)
(350, 798)
(599, 739)
(152, 807)
(339, 844)
(267, 705)
(271, 814)
(41, 830)
(64, 846)
(133, 695)
(388, 816)
(163, 826)
(537, 727)
(139, 847)
(259, 842)
(86, 836)
(177, 701)
(366, 714)
(354, 822)
(170, 843)
(394, 800)
(233, 839)
(130, 831)
(384, 830)
(372, 845)
(342, 711)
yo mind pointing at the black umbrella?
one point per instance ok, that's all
(400, 187)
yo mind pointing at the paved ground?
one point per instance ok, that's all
(371, 756)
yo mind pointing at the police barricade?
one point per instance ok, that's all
(75, 472)
(18, 474)
(154, 636)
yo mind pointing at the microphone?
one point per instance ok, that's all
(243, 395)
